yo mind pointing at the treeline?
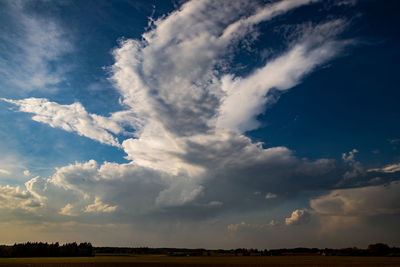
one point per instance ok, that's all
(378, 249)
(39, 249)
(151, 251)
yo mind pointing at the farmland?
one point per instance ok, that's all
(162, 260)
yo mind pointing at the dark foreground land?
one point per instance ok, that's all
(220, 261)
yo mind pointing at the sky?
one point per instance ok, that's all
(200, 124)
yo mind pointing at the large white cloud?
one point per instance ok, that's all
(232, 168)
(174, 76)
(190, 114)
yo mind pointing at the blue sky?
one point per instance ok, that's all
(259, 123)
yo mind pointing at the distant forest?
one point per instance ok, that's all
(39, 249)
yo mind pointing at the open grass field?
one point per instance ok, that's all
(281, 261)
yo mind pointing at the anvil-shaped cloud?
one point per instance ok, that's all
(189, 154)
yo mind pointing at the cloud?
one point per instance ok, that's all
(298, 217)
(359, 202)
(274, 223)
(89, 190)
(27, 61)
(356, 167)
(235, 227)
(346, 2)
(15, 198)
(246, 97)
(4, 172)
(142, 191)
(67, 210)
(99, 206)
(248, 226)
(215, 203)
(363, 210)
(71, 118)
(349, 157)
(242, 26)
(27, 173)
(189, 155)
(12, 165)
(394, 141)
(270, 195)
(173, 76)
(391, 168)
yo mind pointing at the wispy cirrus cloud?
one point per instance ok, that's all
(246, 97)
(30, 58)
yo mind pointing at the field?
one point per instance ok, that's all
(154, 260)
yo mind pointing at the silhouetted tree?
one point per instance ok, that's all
(378, 249)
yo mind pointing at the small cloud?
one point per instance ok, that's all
(346, 3)
(5, 172)
(71, 118)
(235, 227)
(257, 193)
(67, 210)
(99, 206)
(252, 227)
(32, 204)
(298, 217)
(395, 141)
(215, 204)
(349, 157)
(356, 167)
(273, 223)
(270, 195)
(27, 173)
(391, 168)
